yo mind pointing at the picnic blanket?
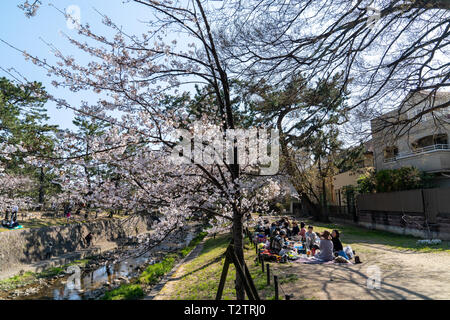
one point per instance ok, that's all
(314, 260)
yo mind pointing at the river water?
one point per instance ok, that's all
(83, 285)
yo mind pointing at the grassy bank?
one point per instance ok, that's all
(200, 278)
(152, 274)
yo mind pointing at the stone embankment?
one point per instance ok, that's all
(27, 249)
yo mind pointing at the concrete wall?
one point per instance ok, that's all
(26, 246)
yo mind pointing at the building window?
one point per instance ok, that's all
(390, 152)
(430, 141)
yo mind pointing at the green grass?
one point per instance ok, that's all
(125, 292)
(17, 280)
(201, 275)
(153, 273)
(51, 272)
(358, 235)
(194, 242)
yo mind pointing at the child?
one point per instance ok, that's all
(302, 230)
(311, 238)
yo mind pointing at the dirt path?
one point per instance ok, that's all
(403, 274)
(166, 287)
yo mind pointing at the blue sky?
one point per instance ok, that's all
(29, 34)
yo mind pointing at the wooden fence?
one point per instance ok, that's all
(422, 212)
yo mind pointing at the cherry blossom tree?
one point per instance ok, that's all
(132, 75)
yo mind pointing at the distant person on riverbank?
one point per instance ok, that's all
(49, 251)
(88, 239)
(67, 211)
(7, 219)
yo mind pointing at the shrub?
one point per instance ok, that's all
(366, 184)
(405, 178)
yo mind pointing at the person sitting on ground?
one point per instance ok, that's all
(326, 247)
(337, 244)
(295, 229)
(277, 242)
(286, 227)
(275, 237)
(13, 223)
(267, 229)
(302, 230)
(272, 229)
(284, 235)
(310, 238)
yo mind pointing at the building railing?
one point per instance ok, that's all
(427, 149)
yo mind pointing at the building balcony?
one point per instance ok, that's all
(432, 158)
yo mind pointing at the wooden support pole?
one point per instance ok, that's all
(268, 274)
(251, 283)
(223, 278)
(262, 263)
(242, 275)
(275, 282)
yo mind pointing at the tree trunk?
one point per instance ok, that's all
(238, 241)
(324, 212)
(41, 188)
(324, 217)
(295, 179)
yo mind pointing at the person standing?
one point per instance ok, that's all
(88, 239)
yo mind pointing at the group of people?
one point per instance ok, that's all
(282, 232)
(10, 220)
